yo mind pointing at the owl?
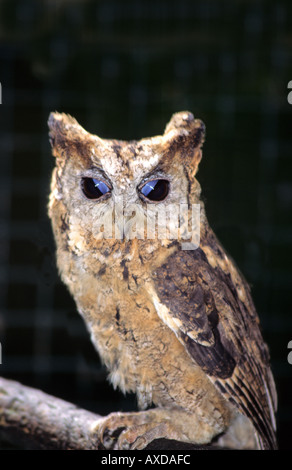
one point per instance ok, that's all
(168, 311)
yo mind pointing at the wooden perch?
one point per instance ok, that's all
(32, 419)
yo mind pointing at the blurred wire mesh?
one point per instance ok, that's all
(122, 69)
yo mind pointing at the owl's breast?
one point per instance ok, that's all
(120, 306)
(124, 327)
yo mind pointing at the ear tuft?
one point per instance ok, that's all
(184, 127)
(61, 119)
(183, 138)
(63, 129)
(64, 124)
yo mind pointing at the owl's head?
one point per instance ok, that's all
(112, 188)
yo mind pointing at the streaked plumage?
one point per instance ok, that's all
(176, 326)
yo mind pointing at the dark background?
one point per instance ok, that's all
(122, 68)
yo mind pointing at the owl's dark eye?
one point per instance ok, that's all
(94, 188)
(155, 190)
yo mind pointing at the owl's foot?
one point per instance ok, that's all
(131, 431)
(134, 431)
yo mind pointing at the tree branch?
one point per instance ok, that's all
(33, 419)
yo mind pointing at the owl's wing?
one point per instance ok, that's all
(214, 317)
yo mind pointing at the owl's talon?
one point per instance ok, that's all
(120, 431)
(108, 430)
(139, 444)
(128, 439)
(124, 445)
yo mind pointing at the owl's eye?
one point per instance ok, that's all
(155, 190)
(94, 188)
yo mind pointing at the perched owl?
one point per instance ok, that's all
(167, 309)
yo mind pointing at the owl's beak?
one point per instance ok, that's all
(129, 224)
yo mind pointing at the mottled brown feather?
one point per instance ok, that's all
(177, 327)
(208, 305)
